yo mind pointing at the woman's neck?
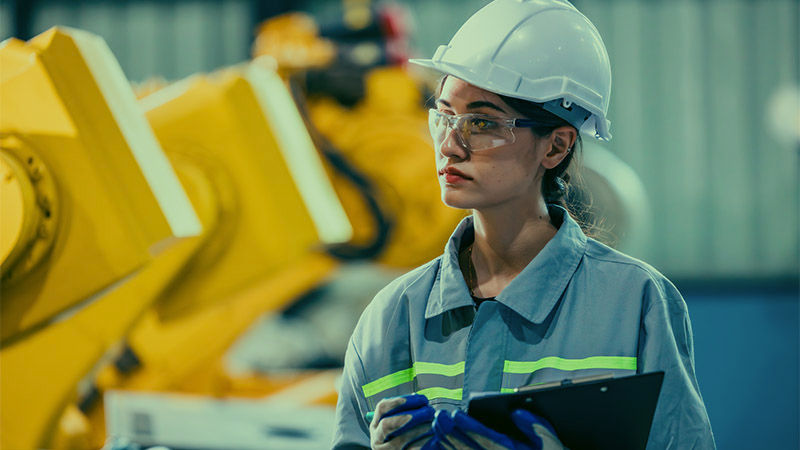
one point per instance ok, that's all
(507, 239)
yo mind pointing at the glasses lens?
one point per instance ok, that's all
(437, 124)
(474, 132)
(481, 133)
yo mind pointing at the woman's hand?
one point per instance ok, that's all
(401, 423)
(460, 431)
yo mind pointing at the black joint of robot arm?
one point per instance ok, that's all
(127, 361)
(87, 402)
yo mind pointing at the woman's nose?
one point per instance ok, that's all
(451, 146)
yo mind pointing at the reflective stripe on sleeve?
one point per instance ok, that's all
(388, 382)
(404, 376)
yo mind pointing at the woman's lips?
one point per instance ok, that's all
(452, 176)
(452, 179)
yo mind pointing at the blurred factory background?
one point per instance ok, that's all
(198, 262)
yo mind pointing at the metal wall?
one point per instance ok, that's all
(691, 84)
(170, 39)
(692, 80)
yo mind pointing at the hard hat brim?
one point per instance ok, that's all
(427, 63)
(599, 129)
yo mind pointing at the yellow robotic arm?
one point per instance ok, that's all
(276, 209)
(88, 199)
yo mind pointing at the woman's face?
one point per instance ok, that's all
(492, 177)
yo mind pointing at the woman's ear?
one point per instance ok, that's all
(560, 143)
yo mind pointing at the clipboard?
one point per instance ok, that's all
(591, 413)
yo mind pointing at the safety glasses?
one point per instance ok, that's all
(474, 132)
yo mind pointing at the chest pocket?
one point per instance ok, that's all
(553, 368)
(441, 383)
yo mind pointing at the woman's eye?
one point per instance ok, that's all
(483, 124)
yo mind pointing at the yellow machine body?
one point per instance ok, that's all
(386, 136)
(61, 112)
(276, 203)
(88, 199)
(292, 39)
(275, 209)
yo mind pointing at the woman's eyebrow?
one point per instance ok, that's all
(474, 105)
(484, 104)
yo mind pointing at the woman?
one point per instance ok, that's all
(521, 295)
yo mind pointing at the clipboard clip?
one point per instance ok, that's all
(565, 382)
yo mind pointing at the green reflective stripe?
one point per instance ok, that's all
(406, 375)
(438, 392)
(554, 362)
(388, 382)
(507, 390)
(449, 370)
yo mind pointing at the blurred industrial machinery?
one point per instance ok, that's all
(386, 137)
(88, 200)
(379, 149)
(249, 168)
(273, 211)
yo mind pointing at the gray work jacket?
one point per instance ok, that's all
(579, 308)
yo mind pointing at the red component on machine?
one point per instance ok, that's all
(395, 22)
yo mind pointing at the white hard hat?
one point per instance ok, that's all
(544, 51)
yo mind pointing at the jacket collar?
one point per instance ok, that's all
(534, 292)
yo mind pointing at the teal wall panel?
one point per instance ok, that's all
(691, 83)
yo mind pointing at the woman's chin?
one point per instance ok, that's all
(457, 200)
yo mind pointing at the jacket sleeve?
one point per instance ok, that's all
(665, 343)
(352, 430)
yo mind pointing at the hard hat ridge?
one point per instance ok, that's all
(543, 51)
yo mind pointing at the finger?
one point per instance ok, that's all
(442, 423)
(419, 416)
(473, 429)
(385, 406)
(413, 438)
(442, 426)
(409, 402)
(395, 405)
(549, 440)
(525, 416)
(445, 429)
(432, 444)
(386, 426)
(490, 444)
(393, 426)
(536, 428)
